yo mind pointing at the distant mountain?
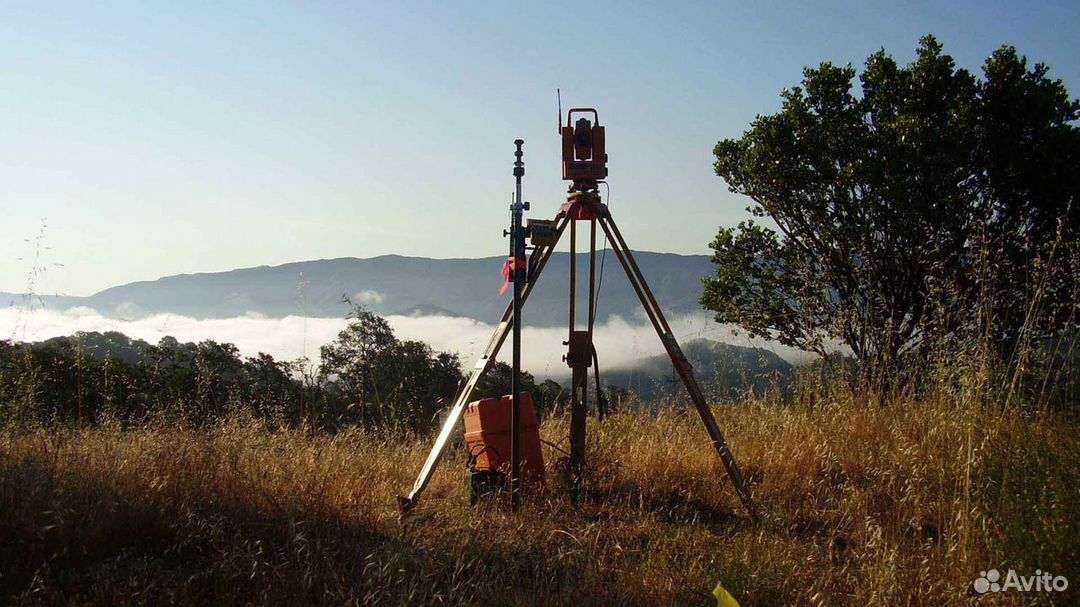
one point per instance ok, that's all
(426, 310)
(56, 302)
(393, 284)
(723, 370)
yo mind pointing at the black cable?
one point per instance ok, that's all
(601, 400)
(555, 446)
(601, 404)
(475, 455)
(603, 256)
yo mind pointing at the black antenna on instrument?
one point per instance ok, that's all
(558, 95)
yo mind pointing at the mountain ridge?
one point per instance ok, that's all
(392, 283)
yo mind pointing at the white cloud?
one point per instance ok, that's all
(618, 341)
(369, 297)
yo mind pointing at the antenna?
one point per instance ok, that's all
(558, 95)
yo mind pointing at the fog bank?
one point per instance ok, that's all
(618, 341)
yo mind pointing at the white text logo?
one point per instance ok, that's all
(991, 581)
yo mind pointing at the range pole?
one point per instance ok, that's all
(517, 257)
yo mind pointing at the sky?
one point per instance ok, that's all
(147, 139)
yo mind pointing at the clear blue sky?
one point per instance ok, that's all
(190, 136)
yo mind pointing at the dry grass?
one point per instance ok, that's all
(863, 506)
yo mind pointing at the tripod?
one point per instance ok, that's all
(583, 204)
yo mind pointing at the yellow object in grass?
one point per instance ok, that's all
(723, 597)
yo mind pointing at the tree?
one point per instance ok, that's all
(498, 381)
(550, 395)
(392, 381)
(218, 368)
(885, 205)
(414, 380)
(269, 384)
(350, 358)
(618, 398)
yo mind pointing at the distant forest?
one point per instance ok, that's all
(366, 376)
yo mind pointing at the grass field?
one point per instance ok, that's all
(863, 505)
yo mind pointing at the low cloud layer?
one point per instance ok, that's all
(619, 342)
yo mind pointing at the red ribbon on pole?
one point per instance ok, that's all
(507, 269)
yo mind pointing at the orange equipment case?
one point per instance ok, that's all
(487, 436)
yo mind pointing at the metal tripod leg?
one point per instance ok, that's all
(579, 357)
(579, 394)
(537, 261)
(682, 366)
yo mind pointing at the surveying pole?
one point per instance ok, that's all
(517, 269)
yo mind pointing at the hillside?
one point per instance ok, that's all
(392, 284)
(723, 370)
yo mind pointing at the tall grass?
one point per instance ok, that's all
(863, 505)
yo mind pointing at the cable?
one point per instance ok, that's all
(603, 256)
(601, 400)
(601, 405)
(555, 446)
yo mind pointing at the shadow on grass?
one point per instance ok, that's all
(675, 507)
(68, 539)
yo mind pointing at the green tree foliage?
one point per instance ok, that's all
(928, 204)
(497, 382)
(368, 376)
(386, 379)
(550, 395)
(89, 376)
(352, 357)
(618, 399)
